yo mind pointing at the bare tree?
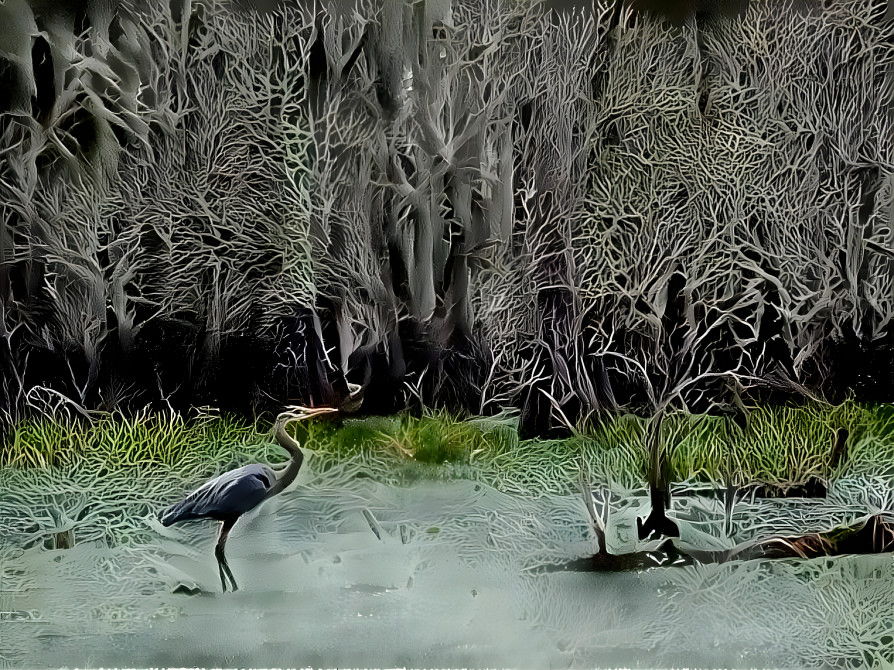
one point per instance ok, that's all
(567, 210)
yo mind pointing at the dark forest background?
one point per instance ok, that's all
(566, 208)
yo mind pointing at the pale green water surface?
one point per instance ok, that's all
(344, 571)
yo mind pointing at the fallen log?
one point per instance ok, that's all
(870, 535)
(812, 487)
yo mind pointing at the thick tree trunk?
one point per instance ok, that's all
(659, 484)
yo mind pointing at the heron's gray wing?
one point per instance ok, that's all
(228, 496)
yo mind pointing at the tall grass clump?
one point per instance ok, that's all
(782, 445)
(115, 442)
(616, 450)
(871, 450)
(398, 449)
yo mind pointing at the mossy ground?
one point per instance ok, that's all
(786, 444)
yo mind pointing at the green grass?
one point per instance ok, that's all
(785, 444)
(782, 445)
(434, 438)
(114, 442)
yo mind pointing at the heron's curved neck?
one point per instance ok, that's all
(287, 475)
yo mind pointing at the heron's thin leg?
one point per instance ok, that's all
(222, 566)
(230, 575)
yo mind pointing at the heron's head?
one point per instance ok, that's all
(299, 413)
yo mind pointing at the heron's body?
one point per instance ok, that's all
(232, 494)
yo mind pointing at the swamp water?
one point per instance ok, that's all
(344, 571)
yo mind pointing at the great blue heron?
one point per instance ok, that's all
(232, 494)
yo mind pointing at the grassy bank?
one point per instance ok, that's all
(780, 445)
(103, 480)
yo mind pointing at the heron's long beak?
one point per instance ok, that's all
(299, 412)
(314, 411)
